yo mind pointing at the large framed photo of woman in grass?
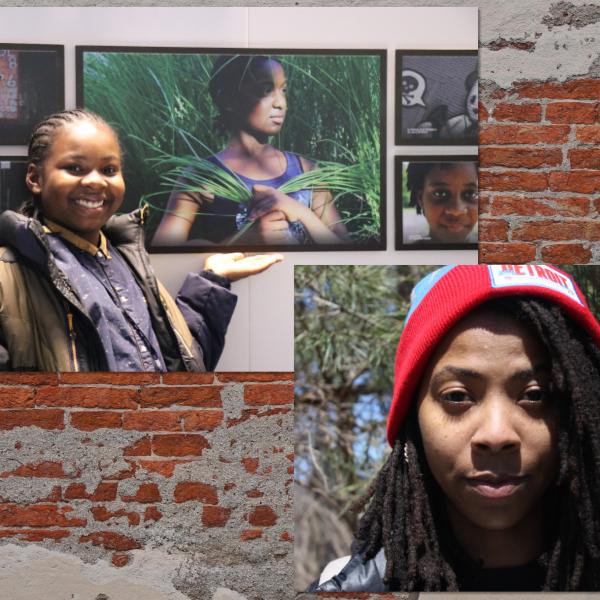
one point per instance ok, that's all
(242, 149)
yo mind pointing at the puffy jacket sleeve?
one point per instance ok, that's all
(207, 303)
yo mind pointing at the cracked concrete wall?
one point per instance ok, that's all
(120, 486)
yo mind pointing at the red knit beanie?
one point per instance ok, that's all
(444, 297)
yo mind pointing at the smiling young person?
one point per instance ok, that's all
(447, 195)
(493, 482)
(249, 92)
(77, 291)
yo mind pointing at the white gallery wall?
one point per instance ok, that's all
(261, 333)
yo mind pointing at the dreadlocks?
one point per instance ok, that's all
(404, 515)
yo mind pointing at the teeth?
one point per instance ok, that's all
(89, 203)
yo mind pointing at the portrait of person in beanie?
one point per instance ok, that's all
(493, 479)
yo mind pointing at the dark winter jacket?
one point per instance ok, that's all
(44, 326)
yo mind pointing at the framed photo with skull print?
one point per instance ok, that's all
(437, 97)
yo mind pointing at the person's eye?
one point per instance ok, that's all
(471, 196)
(110, 170)
(534, 394)
(441, 195)
(455, 397)
(284, 90)
(74, 168)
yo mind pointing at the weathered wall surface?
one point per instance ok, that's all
(158, 487)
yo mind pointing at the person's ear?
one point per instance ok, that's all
(33, 179)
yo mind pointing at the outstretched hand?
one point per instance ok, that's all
(236, 265)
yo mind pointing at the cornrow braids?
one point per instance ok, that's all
(404, 514)
(41, 142)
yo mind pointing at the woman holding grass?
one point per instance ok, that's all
(249, 92)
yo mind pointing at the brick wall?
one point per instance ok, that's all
(104, 465)
(540, 173)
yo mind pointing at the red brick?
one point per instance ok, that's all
(124, 473)
(215, 516)
(179, 445)
(574, 89)
(248, 413)
(45, 468)
(202, 420)
(250, 464)
(269, 394)
(483, 112)
(525, 206)
(286, 536)
(522, 113)
(54, 496)
(152, 514)
(143, 447)
(195, 490)
(105, 492)
(262, 516)
(45, 419)
(583, 182)
(96, 419)
(563, 254)
(102, 514)
(147, 492)
(16, 397)
(208, 396)
(29, 378)
(510, 181)
(491, 156)
(111, 540)
(165, 468)
(188, 378)
(523, 134)
(588, 134)
(493, 230)
(509, 253)
(112, 379)
(249, 377)
(584, 158)
(87, 397)
(250, 534)
(153, 420)
(120, 560)
(557, 230)
(35, 535)
(571, 112)
(485, 201)
(254, 494)
(38, 515)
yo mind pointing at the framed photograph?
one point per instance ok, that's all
(242, 149)
(437, 97)
(32, 86)
(13, 190)
(437, 202)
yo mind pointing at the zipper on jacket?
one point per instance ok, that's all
(72, 338)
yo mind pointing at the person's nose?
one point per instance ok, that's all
(496, 429)
(93, 179)
(279, 100)
(456, 206)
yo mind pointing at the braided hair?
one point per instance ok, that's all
(41, 142)
(404, 513)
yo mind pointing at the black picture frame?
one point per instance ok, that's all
(32, 86)
(13, 190)
(370, 213)
(436, 100)
(411, 229)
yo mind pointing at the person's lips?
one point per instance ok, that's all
(277, 118)
(90, 201)
(495, 486)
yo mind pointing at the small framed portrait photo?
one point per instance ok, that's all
(437, 202)
(13, 190)
(437, 97)
(32, 86)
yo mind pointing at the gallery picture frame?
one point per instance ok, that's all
(436, 99)
(413, 230)
(335, 107)
(13, 190)
(32, 86)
